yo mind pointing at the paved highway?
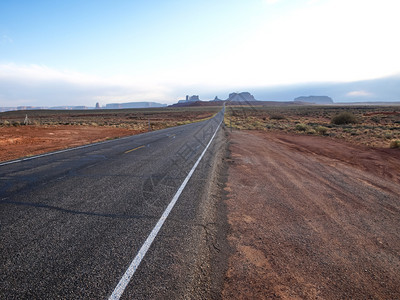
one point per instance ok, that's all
(72, 222)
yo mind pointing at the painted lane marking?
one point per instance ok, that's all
(124, 281)
(134, 149)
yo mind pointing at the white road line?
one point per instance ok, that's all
(122, 284)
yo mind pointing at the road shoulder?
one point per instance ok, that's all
(308, 223)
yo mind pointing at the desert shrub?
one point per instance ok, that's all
(277, 117)
(5, 123)
(376, 119)
(16, 123)
(321, 130)
(301, 127)
(388, 135)
(311, 131)
(395, 144)
(344, 118)
(256, 124)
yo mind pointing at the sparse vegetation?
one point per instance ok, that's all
(373, 126)
(135, 119)
(53, 130)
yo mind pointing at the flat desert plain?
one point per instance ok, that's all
(54, 130)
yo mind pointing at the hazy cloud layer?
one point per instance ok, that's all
(382, 89)
(42, 86)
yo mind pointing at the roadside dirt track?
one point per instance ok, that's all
(312, 218)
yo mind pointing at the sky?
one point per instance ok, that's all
(78, 52)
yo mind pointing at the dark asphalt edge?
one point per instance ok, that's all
(215, 249)
(220, 259)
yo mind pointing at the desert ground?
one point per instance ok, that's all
(311, 217)
(372, 126)
(48, 130)
(313, 206)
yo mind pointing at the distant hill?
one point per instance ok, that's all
(315, 99)
(197, 103)
(108, 106)
(241, 97)
(238, 103)
(134, 105)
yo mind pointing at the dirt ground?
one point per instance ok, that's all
(311, 218)
(50, 130)
(16, 142)
(374, 126)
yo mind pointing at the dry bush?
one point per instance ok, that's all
(5, 123)
(277, 117)
(344, 118)
(395, 144)
(301, 127)
(322, 130)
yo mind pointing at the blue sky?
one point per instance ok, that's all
(82, 52)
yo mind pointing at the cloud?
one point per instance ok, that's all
(335, 40)
(359, 94)
(40, 85)
(384, 89)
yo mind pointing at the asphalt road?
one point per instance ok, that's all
(72, 222)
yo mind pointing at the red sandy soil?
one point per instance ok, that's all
(31, 140)
(312, 218)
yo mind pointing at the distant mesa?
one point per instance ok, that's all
(236, 97)
(134, 105)
(108, 106)
(188, 99)
(243, 97)
(315, 99)
(80, 107)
